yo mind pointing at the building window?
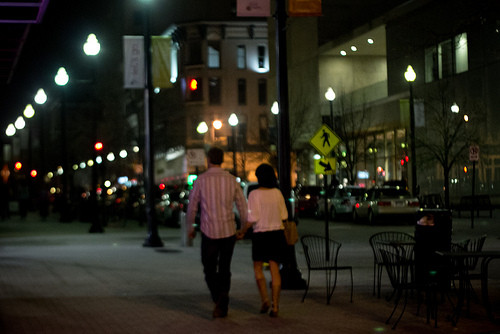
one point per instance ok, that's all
(214, 91)
(261, 54)
(447, 58)
(213, 54)
(242, 92)
(262, 91)
(241, 57)
(193, 53)
(263, 129)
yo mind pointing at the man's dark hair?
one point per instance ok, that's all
(215, 156)
(266, 176)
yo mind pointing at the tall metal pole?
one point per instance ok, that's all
(153, 238)
(290, 275)
(412, 138)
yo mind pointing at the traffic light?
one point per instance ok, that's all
(18, 165)
(98, 146)
(193, 84)
(33, 173)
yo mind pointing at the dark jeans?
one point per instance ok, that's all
(216, 255)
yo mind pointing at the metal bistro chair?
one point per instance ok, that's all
(316, 259)
(379, 241)
(398, 269)
(469, 265)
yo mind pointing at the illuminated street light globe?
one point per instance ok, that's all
(217, 124)
(233, 120)
(410, 74)
(202, 128)
(29, 111)
(92, 46)
(330, 94)
(11, 130)
(62, 77)
(20, 123)
(275, 109)
(40, 97)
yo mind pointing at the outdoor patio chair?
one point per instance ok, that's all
(318, 257)
(380, 241)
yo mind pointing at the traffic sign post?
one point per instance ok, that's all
(474, 157)
(324, 141)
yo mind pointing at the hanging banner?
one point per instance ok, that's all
(133, 62)
(304, 7)
(253, 8)
(161, 60)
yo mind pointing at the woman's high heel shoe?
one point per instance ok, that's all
(265, 307)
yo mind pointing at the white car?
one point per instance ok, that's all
(340, 202)
(386, 201)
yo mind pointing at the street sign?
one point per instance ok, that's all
(324, 140)
(474, 153)
(325, 166)
(195, 157)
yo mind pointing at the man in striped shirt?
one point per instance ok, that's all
(214, 194)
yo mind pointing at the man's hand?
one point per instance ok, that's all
(240, 234)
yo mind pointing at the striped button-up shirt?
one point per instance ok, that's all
(216, 191)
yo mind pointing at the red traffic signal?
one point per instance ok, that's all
(18, 165)
(33, 173)
(98, 146)
(193, 84)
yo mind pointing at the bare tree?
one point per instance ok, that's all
(447, 135)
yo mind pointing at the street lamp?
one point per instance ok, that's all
(454, 108)
(410, 77)
(233, 121)
(40, 99)
(91, 48)
(330, 96)
(61, 79)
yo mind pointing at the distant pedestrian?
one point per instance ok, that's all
(266, 213)
(214, 194)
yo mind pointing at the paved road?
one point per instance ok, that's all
(58, 278)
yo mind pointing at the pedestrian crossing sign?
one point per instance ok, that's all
(324, 140)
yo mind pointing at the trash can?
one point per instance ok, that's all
(432, 233)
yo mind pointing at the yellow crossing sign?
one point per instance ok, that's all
(324, 140)
(325, 166)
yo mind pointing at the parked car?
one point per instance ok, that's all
(341, 201)
(307, 198)
(385, 201)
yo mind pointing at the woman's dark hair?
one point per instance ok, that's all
(266, 176)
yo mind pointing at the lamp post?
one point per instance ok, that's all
(91, 48)
(233, 121)
(410, 77)
(291, 277)
(40, 99)
(153, 238)
(61, 79)
(330, 96)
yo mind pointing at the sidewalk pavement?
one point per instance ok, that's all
(58, 278)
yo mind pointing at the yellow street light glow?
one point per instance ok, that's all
(29, 111)
(202, 128)
(217, 124)
(410, 74)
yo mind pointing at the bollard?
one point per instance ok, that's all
(186, 241)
